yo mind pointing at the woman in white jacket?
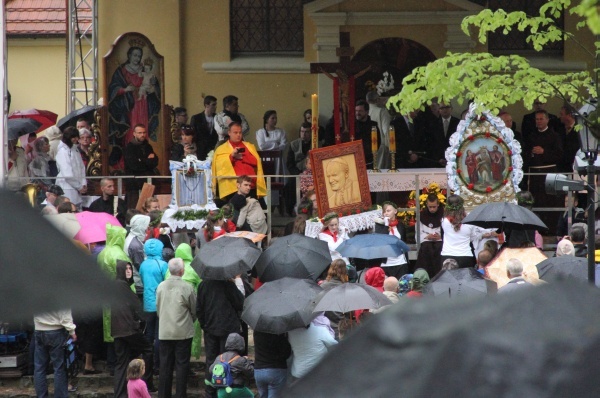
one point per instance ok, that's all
(334, 235)
(71, 171)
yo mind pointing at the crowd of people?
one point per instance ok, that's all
(170, 313)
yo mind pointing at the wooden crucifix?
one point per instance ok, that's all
(346, 73)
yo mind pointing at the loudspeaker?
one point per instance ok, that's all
(558, 183)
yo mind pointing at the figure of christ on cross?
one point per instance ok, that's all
(345, 102)
(346, 72)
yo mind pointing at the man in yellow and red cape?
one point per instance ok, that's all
(235, 158)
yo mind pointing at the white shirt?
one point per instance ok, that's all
(335, 255)
(276, 141)
(401, 259)
(456, 243)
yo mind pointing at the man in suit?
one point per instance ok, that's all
(412, 149)
(570, 139)
(447, 123)
(514, 271)
(203, 124)
(297, 156)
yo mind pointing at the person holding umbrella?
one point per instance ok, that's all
(333, 235)
(17, 167)
(217, 308)
(309, 345)
(337, 275)
(457, 236)
(39, 167)
(271, 352)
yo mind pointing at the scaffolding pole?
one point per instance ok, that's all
(82, 23)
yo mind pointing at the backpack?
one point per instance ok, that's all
(221, 373)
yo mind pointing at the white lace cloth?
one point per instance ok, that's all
(404, 180)
(189, 225)
(353, 223)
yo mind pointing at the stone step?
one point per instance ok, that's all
(97, 381)
(104, 392)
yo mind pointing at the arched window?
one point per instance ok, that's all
(267, 27)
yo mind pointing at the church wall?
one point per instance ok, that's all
(37, 74)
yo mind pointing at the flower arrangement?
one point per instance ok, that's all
(408, 217)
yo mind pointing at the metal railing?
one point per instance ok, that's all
(269, 178)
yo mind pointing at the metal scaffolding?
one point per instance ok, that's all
(82, 33)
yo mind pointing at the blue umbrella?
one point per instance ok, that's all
(373, 246)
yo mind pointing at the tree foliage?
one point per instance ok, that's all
(494, 82)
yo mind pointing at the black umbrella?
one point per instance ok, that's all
(540, 342)
(225, 257)
(87, 113)
(459, 282)
(282, 305)
(351, 296)
(21, 126)
(563, 267)
(296, 256)
(370, 246)
(42, 270)
(504, 215)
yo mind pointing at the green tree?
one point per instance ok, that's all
(494, 82)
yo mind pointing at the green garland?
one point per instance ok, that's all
(190, 215)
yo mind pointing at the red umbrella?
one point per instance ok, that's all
(47, 118)
(93, 226)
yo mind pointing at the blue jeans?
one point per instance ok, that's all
(49, 346)
(270, 382)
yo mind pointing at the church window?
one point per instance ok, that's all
(515, 41)
(267, 27)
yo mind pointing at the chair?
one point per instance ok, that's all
(272, 164)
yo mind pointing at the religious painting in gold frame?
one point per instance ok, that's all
(340, 176)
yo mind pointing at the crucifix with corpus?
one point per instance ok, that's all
(346, 73)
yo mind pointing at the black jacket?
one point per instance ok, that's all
(106, 206)
(271, 351)
(218, 305)
(126, 316)
(136, 159)
(206, 138)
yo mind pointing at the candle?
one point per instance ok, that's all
(392, 139)
(374, 140)
(315, 120)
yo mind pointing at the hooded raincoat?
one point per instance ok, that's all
(107, 259)
(152, 272)
(134, 247)
(242, 368)
(184, 252)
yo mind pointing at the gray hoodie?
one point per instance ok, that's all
(134, 247)
(242, 368)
